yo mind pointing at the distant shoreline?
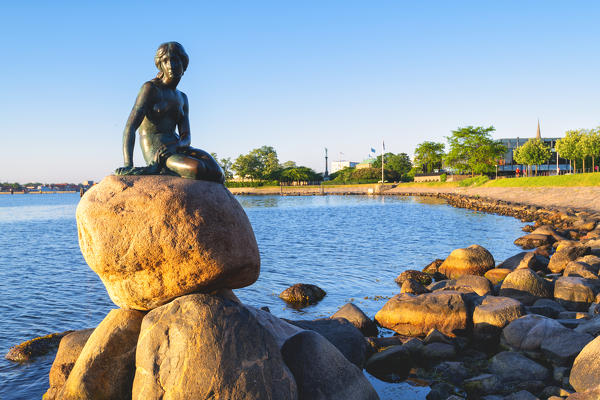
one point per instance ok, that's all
(40, 192)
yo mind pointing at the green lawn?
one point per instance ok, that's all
(588, 179)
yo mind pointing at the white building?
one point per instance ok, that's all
(340, 165)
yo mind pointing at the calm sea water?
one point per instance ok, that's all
(351, 246)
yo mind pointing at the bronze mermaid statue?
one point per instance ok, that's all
(158, 110)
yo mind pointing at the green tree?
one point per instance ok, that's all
(472, 149)
(299, 174)
(533, 152)
(397, 165)
(428, 155)
(595, 146)
(261, 163)
(289, 164)
(567, 146)
(588, 146)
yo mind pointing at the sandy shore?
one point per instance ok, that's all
(580, 198)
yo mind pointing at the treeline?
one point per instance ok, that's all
(261, 166)
(580, 145)
(396, 168)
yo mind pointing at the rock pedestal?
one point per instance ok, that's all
(154, 238)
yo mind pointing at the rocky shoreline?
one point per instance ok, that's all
(467, 326)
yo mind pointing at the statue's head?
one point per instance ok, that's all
(170, 50)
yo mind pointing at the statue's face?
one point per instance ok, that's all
(171, 66)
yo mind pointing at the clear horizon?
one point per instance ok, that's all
(298, 77)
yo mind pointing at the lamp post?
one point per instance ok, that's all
(496, 171)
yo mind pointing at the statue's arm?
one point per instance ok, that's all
(134, 121)
(183, 127)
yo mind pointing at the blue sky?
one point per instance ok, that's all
(298, 76)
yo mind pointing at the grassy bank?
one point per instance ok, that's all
(588, 179)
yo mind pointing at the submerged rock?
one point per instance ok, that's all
(473, 260)
(418, 276)
(35, 347)
(302, 294)
(154, 238)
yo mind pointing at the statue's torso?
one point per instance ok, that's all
(164, 111)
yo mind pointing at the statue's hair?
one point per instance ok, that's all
(173, 48)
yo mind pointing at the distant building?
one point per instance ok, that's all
(340, 165)
(87, 183)
(508, 166)
(368, 163)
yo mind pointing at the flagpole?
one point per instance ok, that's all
(382, 150)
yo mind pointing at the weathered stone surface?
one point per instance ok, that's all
(106, 365)
(437, 351)
(513, 262)
(580, 269)
(493, 314)
(592, 260)
(342, 334)
(418, 276)
(513, 366)
(358, 318)
(201, 346)
(525, 286)
(533, 262)
(482, 384)
(390, 365)
(574, 293)
(521, 395)
(302, 294)
(535, 333)
(432, 268)
(533, 240)
(550, 231)
(497, 275)
(591, 394)
(591, 327)
(68, 351)
(409, 315)
(413, 287)
(464, 284)
(473, 260)
(321, 372)
(546, 307)
(564, 255)
(585, 374)
(451, 371)
(36, 347)
(154, 238)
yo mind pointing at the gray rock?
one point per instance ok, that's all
(466, 284)
(566, 254)
(342, 334)
(413, 287)
(454, 372)
(535, 333)
(358, 318)
(512, 366)
(546, 307)
(482, 384)
(590, 394)
(322, 372)
(521, 395)
(438, 351)
(533, 240)
(591, 326)
(441, 391)
(390, 365)
(592, 260)
(574, 293)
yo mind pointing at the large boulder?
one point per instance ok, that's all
(465, 283)
(446, 311)
(575, 293)
(585, 373)
(106, 365)
(390, 365)
(68, 352)
(525, 286)
(581, 269)
(203, 346)
(535, 333)
(473, 260)
(154, 238)
(321, 372)
(533, 240)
